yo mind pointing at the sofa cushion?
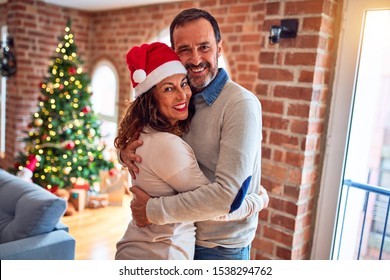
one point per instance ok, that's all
(26, 209)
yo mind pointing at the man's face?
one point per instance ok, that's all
(196, 46)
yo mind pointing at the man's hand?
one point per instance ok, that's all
(129, 157)
(264, 195)
(138, 206)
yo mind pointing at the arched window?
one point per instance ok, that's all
(105, 99)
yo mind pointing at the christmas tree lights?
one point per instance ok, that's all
(64, 135)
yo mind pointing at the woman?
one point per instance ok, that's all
(161, 114)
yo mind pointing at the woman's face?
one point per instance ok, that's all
(173, 96)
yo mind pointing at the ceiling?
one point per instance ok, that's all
(101, 5)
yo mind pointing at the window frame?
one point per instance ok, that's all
(110, 65)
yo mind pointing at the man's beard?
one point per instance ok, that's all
(198, 83)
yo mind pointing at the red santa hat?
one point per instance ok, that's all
(31, 163)
(27, 172)
(149, 64)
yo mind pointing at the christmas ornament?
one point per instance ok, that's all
(67, 170)
(112, 172)
(43, 98)
(86, 109)
(70, 145)
(72, 71)
(52, 189)
(38, 122)
(91, 132)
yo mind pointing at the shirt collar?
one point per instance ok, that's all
(213, 90)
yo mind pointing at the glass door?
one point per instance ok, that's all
(355, 187)
(363, 203)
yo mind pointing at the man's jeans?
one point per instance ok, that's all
(222, 253)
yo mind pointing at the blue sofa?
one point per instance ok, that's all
(30, 227)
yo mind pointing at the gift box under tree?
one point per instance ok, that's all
(114, 183)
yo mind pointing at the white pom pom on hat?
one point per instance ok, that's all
(149, 64)
(139, 76)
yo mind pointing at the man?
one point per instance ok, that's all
(225, 135)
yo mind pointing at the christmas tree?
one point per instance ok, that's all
(64, 142)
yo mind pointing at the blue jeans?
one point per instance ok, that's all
(221, 253)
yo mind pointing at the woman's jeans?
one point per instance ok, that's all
(222, 253)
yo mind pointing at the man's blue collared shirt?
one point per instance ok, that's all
(213, 90)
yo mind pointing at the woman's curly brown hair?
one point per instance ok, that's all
(143, 111)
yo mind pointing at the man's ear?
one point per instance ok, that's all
(219, 48)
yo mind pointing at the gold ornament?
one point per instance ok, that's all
(67, 170)
(91, 132)
(38, 122)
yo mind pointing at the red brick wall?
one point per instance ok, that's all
(3, 14)
(292, 80)
(35, 27)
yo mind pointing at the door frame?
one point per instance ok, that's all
(339, 124)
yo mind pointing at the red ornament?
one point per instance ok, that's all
(70, 145)
(53, 189)
(43, 98)
(72, 71)
(112, 172)
(61, 87)
(86, 109)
